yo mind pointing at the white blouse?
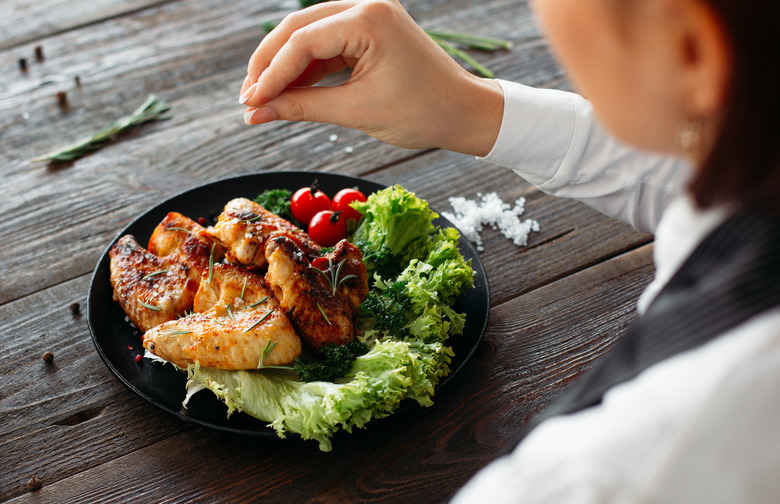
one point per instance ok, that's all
(700, 427)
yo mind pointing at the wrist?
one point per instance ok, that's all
(479, 111)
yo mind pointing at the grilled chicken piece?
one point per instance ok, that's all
(237, 320)
(320, 316)
(159, 285)
(244, 228)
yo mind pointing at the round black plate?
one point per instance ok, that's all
(163, 385)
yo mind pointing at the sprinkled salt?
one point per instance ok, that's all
(333, 138)
(470, 215)
(349, 150)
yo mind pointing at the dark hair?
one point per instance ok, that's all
(743, 166)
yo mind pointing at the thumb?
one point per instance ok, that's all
(312, 104)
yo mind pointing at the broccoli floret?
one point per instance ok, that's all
(276, 201)
(335, 362)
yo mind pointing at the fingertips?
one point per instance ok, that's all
(260, 115)
(248, 93)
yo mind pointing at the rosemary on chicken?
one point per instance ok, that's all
(258, 302)
(332, 275)
(260, 321)
(150, 275)
(150, 306)
(151, 109)
(266, 352)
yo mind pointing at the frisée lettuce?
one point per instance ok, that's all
(415, 266)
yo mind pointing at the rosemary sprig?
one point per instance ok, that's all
(176, 333)
(151, 109)
(258, 302)
(230, 312)
(259, 321)
(332, 275)
(323, 314)
(243, 289)
(266, 351)
(174, 228)
(150, 275)
(252, 219)
(150, 306)
(456, 52)
(470, 40)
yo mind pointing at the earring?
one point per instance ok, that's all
(689, 135)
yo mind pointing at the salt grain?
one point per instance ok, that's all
(349, 150)
(333, 138)
(470, 215)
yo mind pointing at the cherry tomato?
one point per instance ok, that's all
(341, 202)
(306, 202)
(327, 228)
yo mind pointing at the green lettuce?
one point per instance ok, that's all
(379, 380)
(395, 228)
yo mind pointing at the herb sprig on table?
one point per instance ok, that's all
(453, 43)
(151, 109)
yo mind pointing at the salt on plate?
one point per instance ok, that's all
(469, 216)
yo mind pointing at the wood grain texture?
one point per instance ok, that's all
(417, 455)
(558, 303)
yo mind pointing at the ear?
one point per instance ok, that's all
(705, 56)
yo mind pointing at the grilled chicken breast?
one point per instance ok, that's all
(157, 285)
(238, 324)
(322, 312)
(244, 228)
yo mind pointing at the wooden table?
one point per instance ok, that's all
(557, 304)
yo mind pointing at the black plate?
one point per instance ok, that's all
(163, 386)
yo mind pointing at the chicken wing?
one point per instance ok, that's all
(159, 285)
(321, 307)
(244, 228)
(238, 324)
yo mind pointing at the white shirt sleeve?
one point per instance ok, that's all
(552, 139)
(700, 427)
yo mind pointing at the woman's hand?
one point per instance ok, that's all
(403, 90)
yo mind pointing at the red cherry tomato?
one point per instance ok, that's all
(341, 202)
(306, 202)
(327, 228)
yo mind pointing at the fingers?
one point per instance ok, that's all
(278, 37)
(318, 69)
(330, 40)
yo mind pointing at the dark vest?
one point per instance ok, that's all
(733, 275)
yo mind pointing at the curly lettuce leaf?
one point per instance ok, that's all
(395, 228)
(391, 371)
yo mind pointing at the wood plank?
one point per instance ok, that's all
(81, 206)
(25, 22)
(57, 419)
(528, 354)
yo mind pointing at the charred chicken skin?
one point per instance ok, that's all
(157, 285)
(237, 324)
(322, 303)
(245, 228)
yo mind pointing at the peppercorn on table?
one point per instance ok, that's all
(71, 431)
